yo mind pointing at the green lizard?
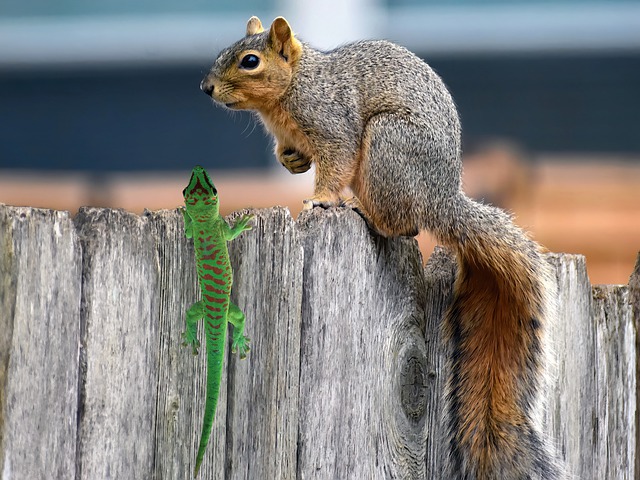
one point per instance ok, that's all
(210, 233)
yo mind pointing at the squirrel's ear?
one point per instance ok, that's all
(282, 39)
(254, 26)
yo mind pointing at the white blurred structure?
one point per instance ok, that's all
(330, 23)
(436, 26)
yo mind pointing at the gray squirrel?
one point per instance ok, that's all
(378, 121)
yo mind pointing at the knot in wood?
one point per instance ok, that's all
(413, 387)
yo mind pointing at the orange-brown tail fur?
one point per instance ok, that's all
(494, 329)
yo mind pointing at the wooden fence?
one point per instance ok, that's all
(344, 379)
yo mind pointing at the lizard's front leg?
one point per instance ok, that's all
(240, 226)
(188, 223)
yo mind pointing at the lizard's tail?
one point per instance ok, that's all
(216, 339)
(494, 328)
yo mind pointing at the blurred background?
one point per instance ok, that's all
(100, 105)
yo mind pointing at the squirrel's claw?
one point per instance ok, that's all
(309, 203)
(294, 161)
(355, 204)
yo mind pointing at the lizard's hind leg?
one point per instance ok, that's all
(240, 342)
(194, 314)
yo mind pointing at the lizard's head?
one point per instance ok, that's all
(256, 70)
(201, 193)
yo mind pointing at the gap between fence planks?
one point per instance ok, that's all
(346, 373)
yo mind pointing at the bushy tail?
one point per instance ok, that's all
(494, 329)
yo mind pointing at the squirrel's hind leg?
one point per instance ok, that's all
(356, 206)
(389, 184)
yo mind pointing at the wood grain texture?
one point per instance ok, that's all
(39, 338)
(262, 418)
(439, 273)
(364, 371)
(615, 377)
(119, 345)
(570, 411)
(634, 301)
(181, 383)
(255, 435)
(345, 378)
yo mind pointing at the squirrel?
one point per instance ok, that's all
(377, 120)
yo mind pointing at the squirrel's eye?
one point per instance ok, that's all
(250, 61)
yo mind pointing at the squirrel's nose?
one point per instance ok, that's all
(206, 87)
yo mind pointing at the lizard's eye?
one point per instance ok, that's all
(249, 62)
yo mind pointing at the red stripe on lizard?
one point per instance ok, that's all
(212, 289)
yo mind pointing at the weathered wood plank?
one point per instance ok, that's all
(615, 380)
(263, 389)
(570, 413)
(634, 301)
(364, 370)
(262, 420)
(119, 345)
(591, 409)
(181, 376)
(440, 273)
(39, 338)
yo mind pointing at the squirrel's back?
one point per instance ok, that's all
(377, 76)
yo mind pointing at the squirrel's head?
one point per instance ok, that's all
(257, 70)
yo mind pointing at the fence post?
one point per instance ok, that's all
(39, 337)
(615, 371)
(569, 416)
(364, 372)
(634, 300)
(256, 424)
(591, 410)
(118, 374)
(181, 379)
(439, 276)
(263, 389)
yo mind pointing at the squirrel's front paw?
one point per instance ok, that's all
(294, 161)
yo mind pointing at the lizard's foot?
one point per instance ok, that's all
(240, 344)
(189, 339)
(241, 224)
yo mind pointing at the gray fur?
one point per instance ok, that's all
(382, 89)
